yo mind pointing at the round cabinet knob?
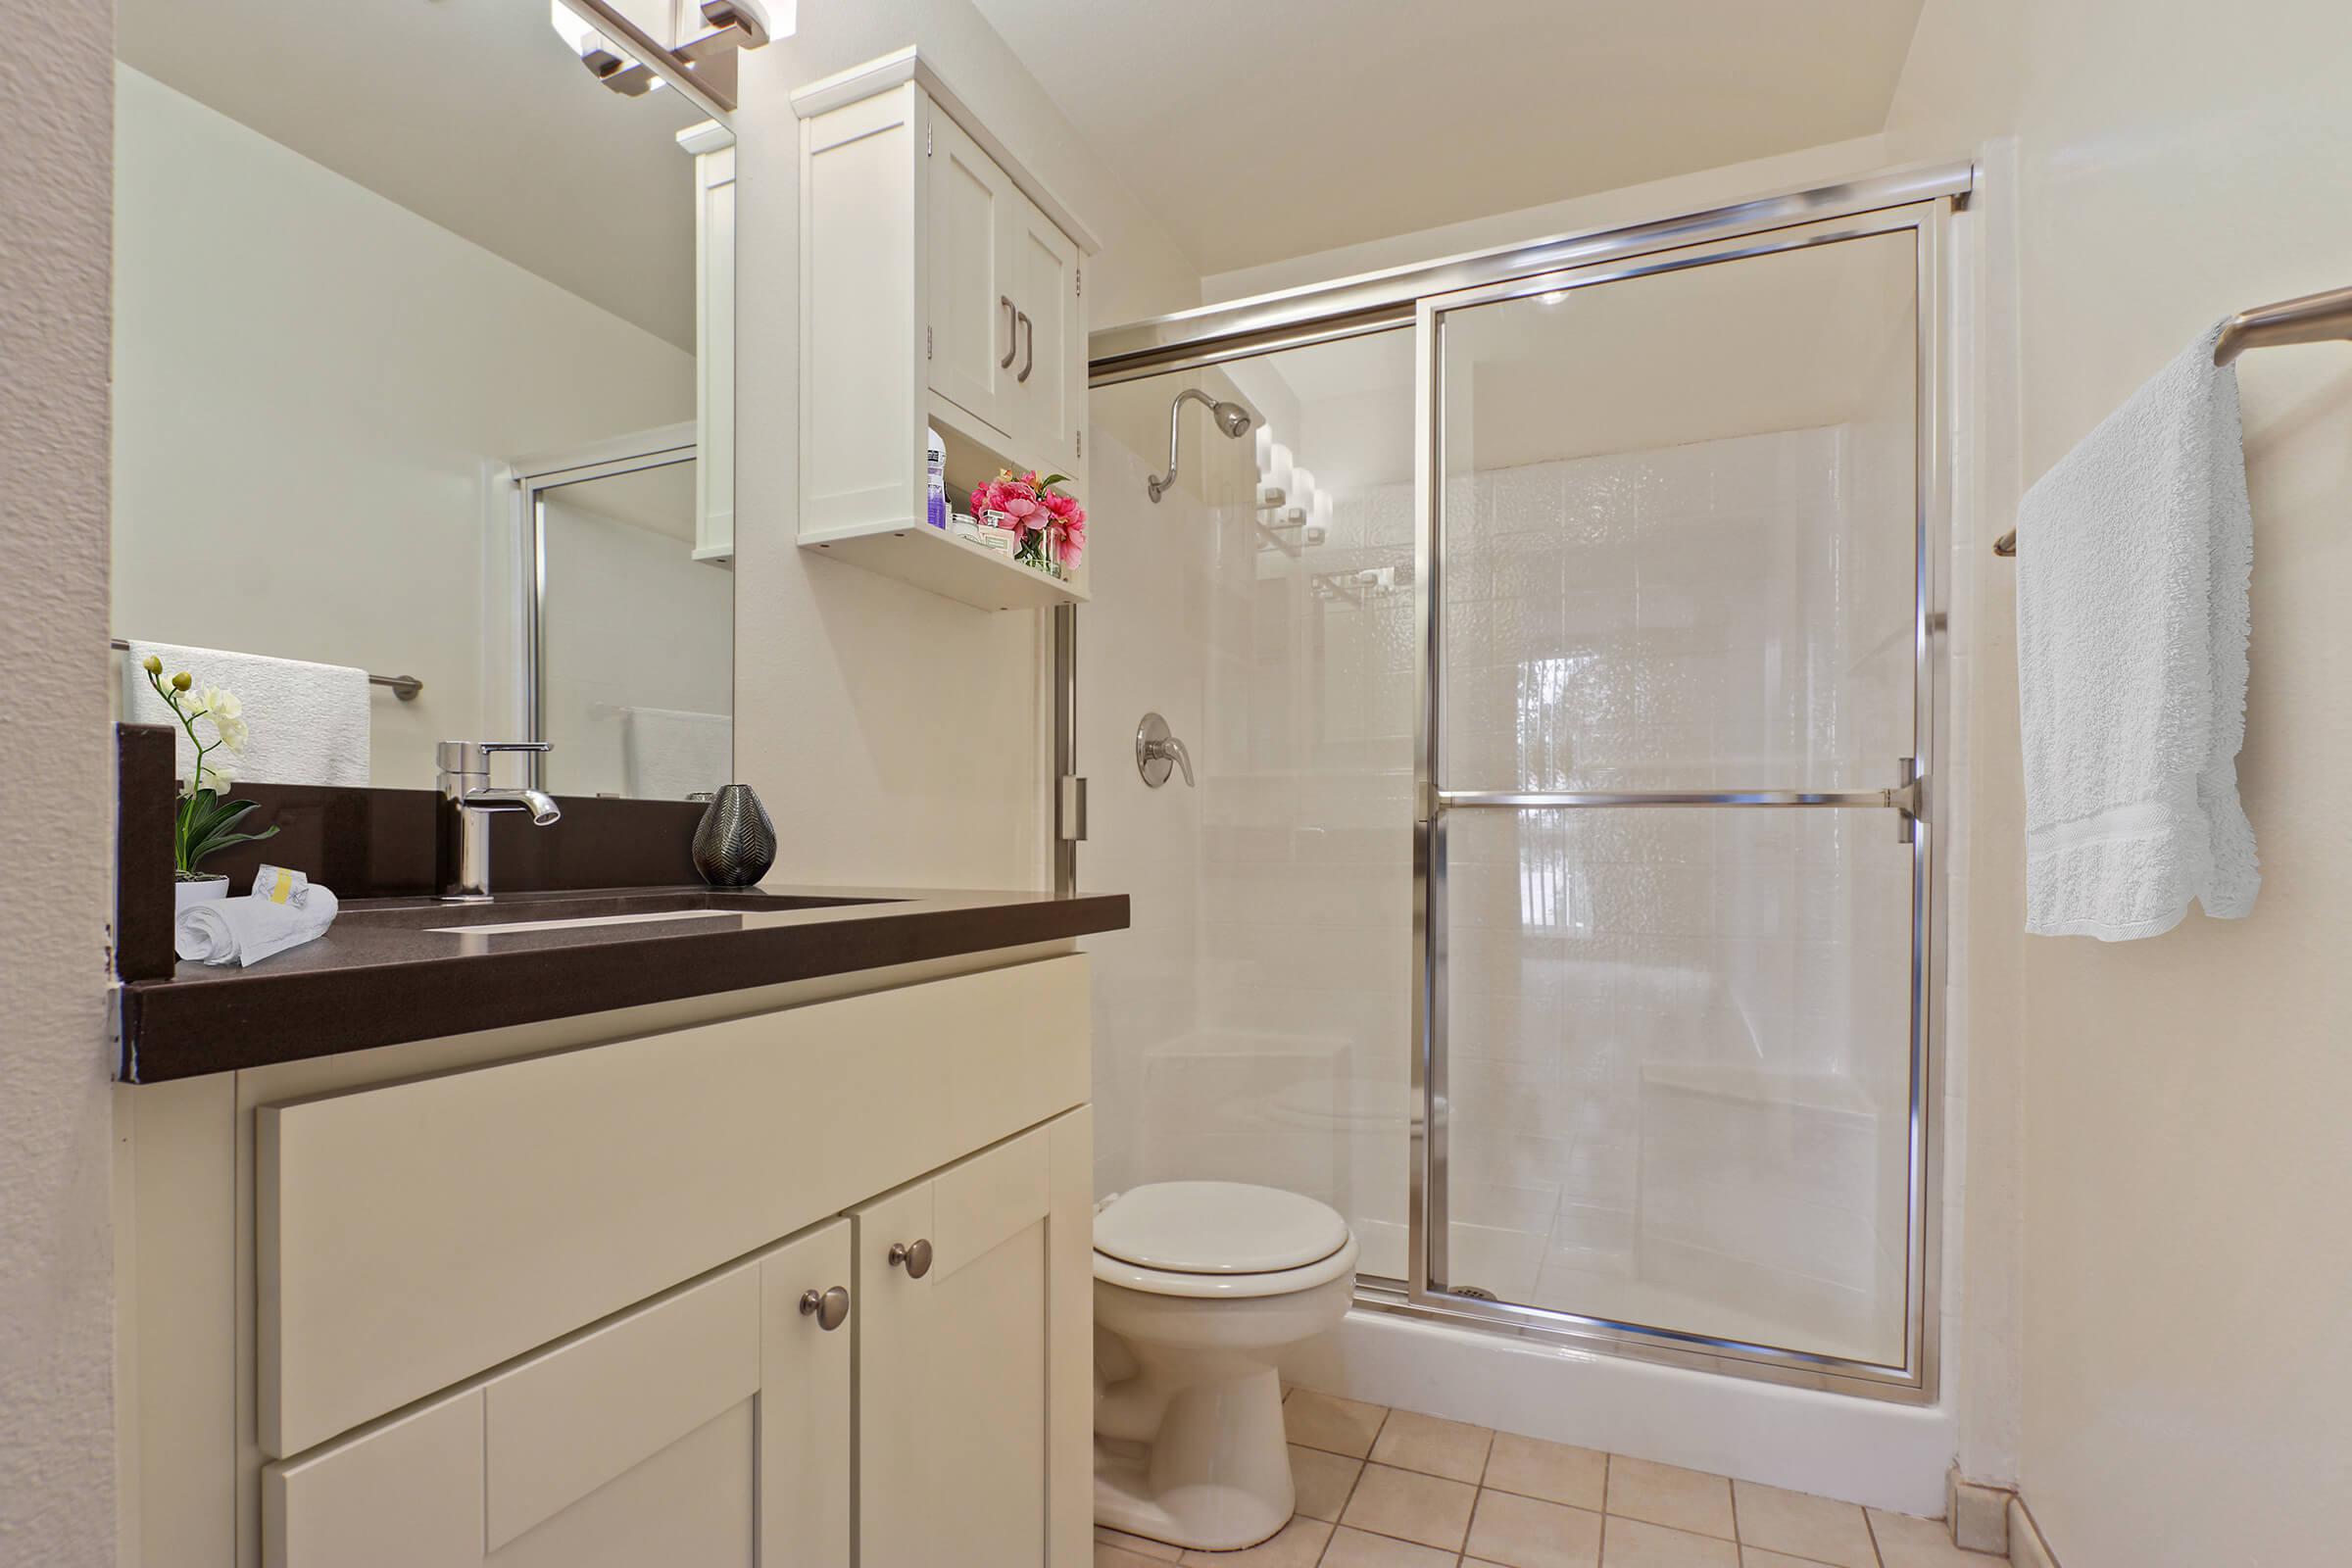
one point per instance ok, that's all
(912, 1256)
(830, 1309)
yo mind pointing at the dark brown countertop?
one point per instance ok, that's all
(384, 974)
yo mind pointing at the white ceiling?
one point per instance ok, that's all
(469, 113)
(1261, 131)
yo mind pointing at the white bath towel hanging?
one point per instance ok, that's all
(668, 753)
(309, 722)
(2133, 554)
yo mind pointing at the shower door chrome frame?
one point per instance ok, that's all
(531, 478)
(1427, 1291)
(1920, 199)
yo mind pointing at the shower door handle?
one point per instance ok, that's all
(1028, 345)
(1012, 331)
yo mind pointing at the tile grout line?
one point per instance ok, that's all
(1365, 1466)
(1600, 1550)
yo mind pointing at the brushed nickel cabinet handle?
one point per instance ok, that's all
(913, 1257)
(1012, 331)
(1029, 346)
(830, 1309)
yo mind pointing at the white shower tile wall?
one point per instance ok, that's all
(1679, 1039)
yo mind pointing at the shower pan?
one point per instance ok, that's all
(1559, 899)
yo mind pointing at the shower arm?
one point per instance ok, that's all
(1160, 484)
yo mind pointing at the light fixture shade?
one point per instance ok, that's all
(1303, 488)
(1265, 446)
(579, 36)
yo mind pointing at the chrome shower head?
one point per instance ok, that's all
(1232, 418)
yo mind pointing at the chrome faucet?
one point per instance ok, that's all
(466, 802)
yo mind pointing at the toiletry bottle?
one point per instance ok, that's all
(936, 512)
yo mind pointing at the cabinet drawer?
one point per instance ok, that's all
(413, 1235)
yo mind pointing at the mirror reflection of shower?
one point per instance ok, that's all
(1231, 418)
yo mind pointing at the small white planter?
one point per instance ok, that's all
(204, 891)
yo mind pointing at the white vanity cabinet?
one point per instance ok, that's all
(942, 287)
(805, 1286)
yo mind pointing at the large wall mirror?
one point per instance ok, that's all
(424, 371)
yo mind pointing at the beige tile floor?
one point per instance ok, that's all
(1389, 1489)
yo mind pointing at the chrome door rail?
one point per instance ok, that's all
(1902, 798)
(1372, 302)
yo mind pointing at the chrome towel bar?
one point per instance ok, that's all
(403, 687)
(2309, 318)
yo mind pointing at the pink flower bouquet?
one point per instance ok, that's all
(1051, 525)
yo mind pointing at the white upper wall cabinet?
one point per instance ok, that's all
(1050, 379)
(975, 211)
(942, 285)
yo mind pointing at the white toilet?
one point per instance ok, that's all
(1199, 1288)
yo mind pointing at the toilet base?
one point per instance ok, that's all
(1216, 1475)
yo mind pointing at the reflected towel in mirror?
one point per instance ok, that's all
(309, 722)
(668, 753)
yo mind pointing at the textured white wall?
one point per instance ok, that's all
(56, 1265)
(2185, 1378)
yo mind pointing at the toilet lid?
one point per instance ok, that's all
(1218, 1228)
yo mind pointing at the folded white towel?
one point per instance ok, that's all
(247, 930)
(310, 721)
(668, 753)
(2133, 554)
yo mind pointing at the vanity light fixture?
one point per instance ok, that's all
(626, 54)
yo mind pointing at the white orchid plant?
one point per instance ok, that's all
(206, 816)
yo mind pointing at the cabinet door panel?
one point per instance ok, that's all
(565, 1423)
(980, 1202)
(966, 1376)
(408, 1495)
(710, 1426)
(805, 1419)
(692, 1501)
(972, 209)
(1051, 399)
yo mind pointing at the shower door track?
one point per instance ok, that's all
(1919, 200)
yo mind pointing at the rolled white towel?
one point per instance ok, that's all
(249, 929)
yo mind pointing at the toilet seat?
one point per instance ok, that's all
(1219, 1240)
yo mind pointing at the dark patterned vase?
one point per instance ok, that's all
(735, 843)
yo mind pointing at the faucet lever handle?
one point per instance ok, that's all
(473, 757)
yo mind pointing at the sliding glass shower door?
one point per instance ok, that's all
(1560, 661)
(1671, 883)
